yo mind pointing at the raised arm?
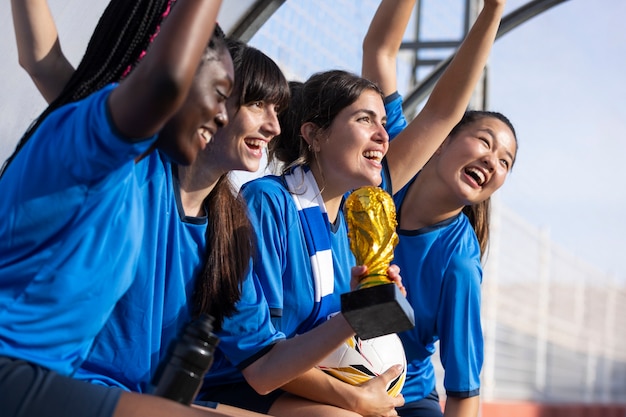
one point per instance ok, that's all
(382, 43)
(412, 148)
(155, 90)
(38, 48)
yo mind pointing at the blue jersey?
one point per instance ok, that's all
(283, 267)
(245, 336)
(396, 122)
(71, 230)
(156, 306)
(442, 273)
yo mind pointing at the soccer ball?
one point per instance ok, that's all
(357, 361)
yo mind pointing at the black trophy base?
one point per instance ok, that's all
(377, 311)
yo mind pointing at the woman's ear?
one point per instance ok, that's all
(309, 132)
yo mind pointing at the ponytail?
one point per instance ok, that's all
(479, 216)
(229, 248)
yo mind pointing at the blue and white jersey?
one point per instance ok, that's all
(71, 231)
(283, 265)
(282, 278)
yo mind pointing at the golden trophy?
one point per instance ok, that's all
(376, 307)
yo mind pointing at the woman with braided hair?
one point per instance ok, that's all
(105, 61)
(74, 213)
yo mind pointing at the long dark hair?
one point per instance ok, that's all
(229, 247)
(288, 147)
(479, 214)
(119, 41)
(229, 235)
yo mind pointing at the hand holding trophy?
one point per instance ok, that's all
(376, 307)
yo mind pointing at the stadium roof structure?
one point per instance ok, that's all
(243, 18)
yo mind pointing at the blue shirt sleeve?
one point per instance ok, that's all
(267, 202)
(396, 122)
(249, 330)
(85, 140)
(460, 331)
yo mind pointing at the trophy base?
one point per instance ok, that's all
(377, 311)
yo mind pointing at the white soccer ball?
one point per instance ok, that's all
(357, 361)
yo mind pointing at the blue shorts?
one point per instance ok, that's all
(29, 390)
(240, 394)
(426, 407)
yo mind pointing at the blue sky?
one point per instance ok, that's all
(560, 78)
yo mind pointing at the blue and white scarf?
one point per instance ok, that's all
(316, 227)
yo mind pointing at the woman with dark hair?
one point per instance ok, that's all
(440, 250)
(332, 141)
(199, 242)
(73, 212)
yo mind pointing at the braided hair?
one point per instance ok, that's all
(116, 46)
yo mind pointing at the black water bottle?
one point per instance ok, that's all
(189, 357)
